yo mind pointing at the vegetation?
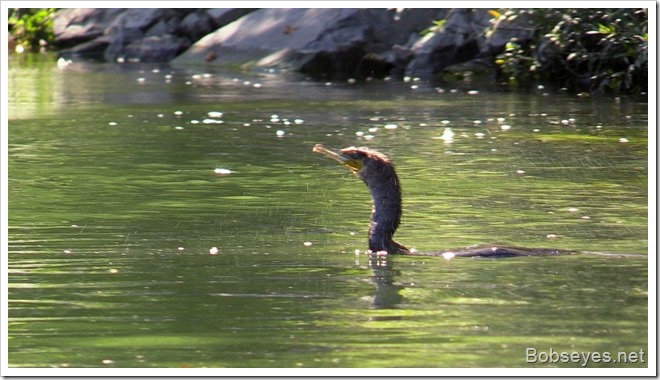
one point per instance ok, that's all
(592, 50)
(31, 27)
(437, 26)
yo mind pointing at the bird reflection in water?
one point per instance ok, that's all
(387, 294)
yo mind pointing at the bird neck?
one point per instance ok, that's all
(386, 214)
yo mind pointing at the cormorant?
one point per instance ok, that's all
(377, 172)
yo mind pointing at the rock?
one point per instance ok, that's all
(148, 35)
(223, 16)
(88, 49)
(196, 25)
(131, 34)
(462, 39)
(322, 43)
(319, 42)
(259, 34)
(73, 26)
(156, 48)
(455, 43)
(504, 29)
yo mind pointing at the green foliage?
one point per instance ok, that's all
(32, 26)
(437, 26)
(603, 50)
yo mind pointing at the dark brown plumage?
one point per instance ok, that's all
(377, 171)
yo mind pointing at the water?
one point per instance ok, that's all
(114, 206)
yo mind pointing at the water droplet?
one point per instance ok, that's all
(221, 171)
(447, 135)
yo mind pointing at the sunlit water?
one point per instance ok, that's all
(122, 179)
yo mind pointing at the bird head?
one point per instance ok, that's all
(365, 163)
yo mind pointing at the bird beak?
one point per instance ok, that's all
(339, 156)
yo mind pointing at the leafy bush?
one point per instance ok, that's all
(594, 50)
(32, 27)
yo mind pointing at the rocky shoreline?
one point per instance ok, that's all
(329, 43)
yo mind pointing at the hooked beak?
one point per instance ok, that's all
(339, 156)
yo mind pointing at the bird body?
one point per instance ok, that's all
(377, 171)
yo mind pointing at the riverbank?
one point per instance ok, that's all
(584, 50)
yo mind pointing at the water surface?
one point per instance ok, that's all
(114, 206)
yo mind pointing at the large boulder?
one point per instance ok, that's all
(461, 39)
(319, 42)
(74, 26)
(148, 35)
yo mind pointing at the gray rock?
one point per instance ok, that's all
(156, 48)
(462, 39)
(94, 48)
(118, 38)
(148, 35)
(196, 25)
(142, 19)
(320, 42)
(223, 16)
(455, 43)
(73, 26)
(163, 27)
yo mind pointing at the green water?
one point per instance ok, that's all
(114, 206)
